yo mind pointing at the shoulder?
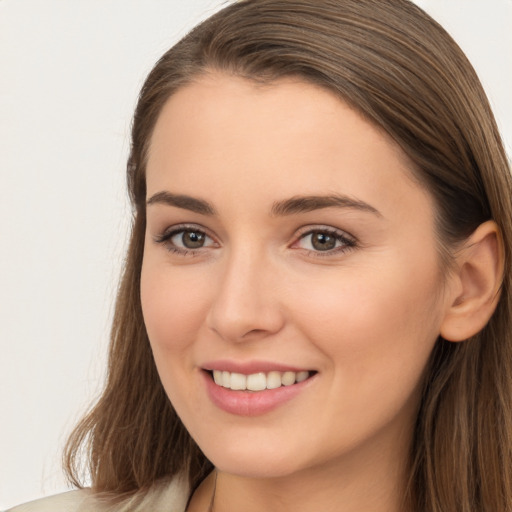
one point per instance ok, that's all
(66, 502)
(168, 495)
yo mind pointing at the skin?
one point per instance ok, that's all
(364, 315)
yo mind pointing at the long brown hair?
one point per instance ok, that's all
(397, 67)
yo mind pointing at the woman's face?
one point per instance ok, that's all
(286, 240)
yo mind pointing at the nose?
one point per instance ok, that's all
(246, 304)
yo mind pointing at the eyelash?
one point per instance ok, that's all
(348, 242)
(165, 239)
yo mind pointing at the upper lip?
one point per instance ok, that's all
(250, 367)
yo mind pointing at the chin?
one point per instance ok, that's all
(261, 468)
(253, 459)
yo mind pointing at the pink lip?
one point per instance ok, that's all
(248, 403)
(246, 368)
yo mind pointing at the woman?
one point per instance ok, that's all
(315, 310)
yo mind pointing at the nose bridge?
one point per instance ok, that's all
(246, 303)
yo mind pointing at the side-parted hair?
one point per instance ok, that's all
(400, 70)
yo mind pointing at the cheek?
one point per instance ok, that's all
(368, 306)
(376, 328)
(173, 305)
(173, 308)
(377, 343)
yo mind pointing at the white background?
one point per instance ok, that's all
(70, 72)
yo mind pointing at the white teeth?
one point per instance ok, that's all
(226, 379)
(302, 376)
(274, 380)
(238, 381)
(288, 378)
(257, 381)
(217, 377)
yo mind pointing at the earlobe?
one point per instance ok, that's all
(478, 276)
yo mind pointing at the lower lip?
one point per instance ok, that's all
(252, 403)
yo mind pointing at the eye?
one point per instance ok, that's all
(325, 241)
(185, 239)
(188, 239)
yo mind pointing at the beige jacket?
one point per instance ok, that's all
(169, 496)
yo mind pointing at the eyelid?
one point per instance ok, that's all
(176, 228)
(310, 228)
(165, 237)
(348, 240)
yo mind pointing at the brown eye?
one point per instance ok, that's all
(327, 241)
(186, 240)
(189, 239)
(321, 241)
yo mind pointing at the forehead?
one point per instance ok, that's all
(284, 138)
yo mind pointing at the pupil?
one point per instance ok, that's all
(323, 241)
(193, 240)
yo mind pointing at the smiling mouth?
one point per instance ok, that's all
(258, 381)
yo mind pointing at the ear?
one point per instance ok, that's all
(477, 284)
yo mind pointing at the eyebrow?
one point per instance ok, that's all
(296, 204)
(182, 201)
(303, 204)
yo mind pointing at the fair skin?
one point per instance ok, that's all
(242, 277)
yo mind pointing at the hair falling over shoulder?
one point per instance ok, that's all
(398, 68)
